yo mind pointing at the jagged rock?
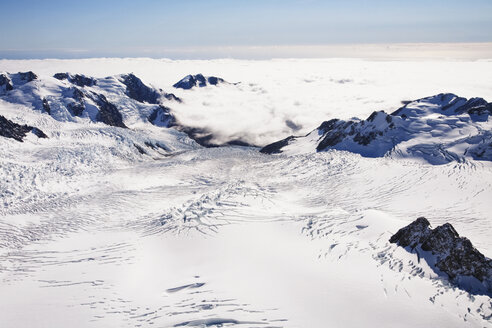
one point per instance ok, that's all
(276, 147)
(9, 81)
(77, 79)
(414, 130)
(27, 76)
(16, 131)
(199, 80)
(77, 107)
(454, 255)
(108, 113)
(5, 82)
(413, 234)
(137, 90)
(46, 106)
(161, 116)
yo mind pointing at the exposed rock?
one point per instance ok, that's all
(453, 255)
(6, 83)
(276, 147)
(199, 80)
(77, 79)
(413, 234)
(108, 113)
(432, 137)
(46, 106)
(27, 76)
(161, 116)
(16, 131)
(140, 149)
(77, 107)
(137, 90)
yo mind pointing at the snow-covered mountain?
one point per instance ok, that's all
(198, 80)
(439, 129)
(124, 220)
(122, 100)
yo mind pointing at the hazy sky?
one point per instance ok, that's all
(65, 28)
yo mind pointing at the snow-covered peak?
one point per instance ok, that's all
(444, 104)
(199, 80)
(121, 100)
(437, 129)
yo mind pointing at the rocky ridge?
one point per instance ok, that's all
(451, 254)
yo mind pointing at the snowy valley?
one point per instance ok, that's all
(156, 193)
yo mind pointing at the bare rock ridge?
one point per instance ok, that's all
(9, 129)
(137, 90)
(161, 116)
(77, 79)
(451, 254)
(440, 128)
(198, 80)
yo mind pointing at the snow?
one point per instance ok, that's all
(304, 91)
(95, 234)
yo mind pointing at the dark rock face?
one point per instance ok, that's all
(161, 116)
(6, 83)
(413, 234)
(108, 113)
(78, 106)
(77, 79)
(137, 90)
(27, 76)
(276, 147)
(46, 106)
(383, 134)
(9, 129)
(199, 80)
(454, 255)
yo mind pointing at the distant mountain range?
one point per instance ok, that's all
(437, 129)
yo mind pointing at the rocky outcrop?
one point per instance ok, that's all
(9, 129)
(426, 128)
(27, 76)
(137, 90)
(108, 113)
(9, 81)
(199, 80)
(453, 255)
(77, 106)
(161, 116)
(276, 147)
(77, 79)
(6, 83)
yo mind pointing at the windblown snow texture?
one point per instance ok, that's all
(439, 129)
(453, 255)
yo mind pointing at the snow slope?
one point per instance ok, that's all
(96, 233)
(438, 129)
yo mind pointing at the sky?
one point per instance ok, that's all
(73, 29)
